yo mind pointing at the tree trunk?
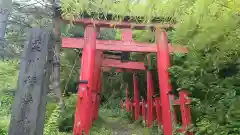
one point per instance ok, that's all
(56, 76)
(5, 9)
(56, 60)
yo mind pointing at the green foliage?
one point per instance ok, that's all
(149, 9)
(65, 122)
(4, 125)
(8, 81)
(8, 75)
(5, 105)
(51, 106)
(69, 70)
(211, 70)
(51, 125)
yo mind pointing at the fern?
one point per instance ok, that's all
(51, 127)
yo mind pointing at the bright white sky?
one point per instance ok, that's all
(24, 1)
(35, 1)
(31, 2)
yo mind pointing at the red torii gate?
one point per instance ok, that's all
(92, 61)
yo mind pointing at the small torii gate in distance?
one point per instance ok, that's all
(150, 110)
(92, 60)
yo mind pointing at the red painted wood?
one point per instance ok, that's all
(83, 120)
(112, 57)
(127, 101)
(136, 97)
(97, 80)
(143, 110)
(140, 106)
(163, 62)
(150, 93)
(121, 25)
(185, 111)
(158, 109)
(107, 69)
(119, 64)
(112, 45)
(130, 105)
(98, 98)
(187, 102)
(127, 35)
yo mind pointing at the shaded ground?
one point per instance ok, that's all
(123, 127)
(111, 123)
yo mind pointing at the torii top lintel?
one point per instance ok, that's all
(113, 45)
(120, 25)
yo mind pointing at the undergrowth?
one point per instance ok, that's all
(8, 81)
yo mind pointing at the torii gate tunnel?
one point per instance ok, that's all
(93, 63)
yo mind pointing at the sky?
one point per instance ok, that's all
(29, 1)
(37, 2)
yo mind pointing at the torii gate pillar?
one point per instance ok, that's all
(83, 119)
(150, 93)
(163, 63)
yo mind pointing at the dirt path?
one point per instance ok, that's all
(110, 123)
(118, 127)
(123, 127)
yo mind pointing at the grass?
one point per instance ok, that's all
(111, 124)
(8, 81)
(120, 124)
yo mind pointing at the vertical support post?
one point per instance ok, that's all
(98, 98)
(127, 101)
(144, 114)
(150, 92)
(163, 62)
(141, 109)
(127, 35)
(130, 105)
(6, 8)
(136, 97)
(173, 108)
(157, 102)
(185, 111)
(83, 121)
(97, 83)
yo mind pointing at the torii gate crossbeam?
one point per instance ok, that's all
(126, 46)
